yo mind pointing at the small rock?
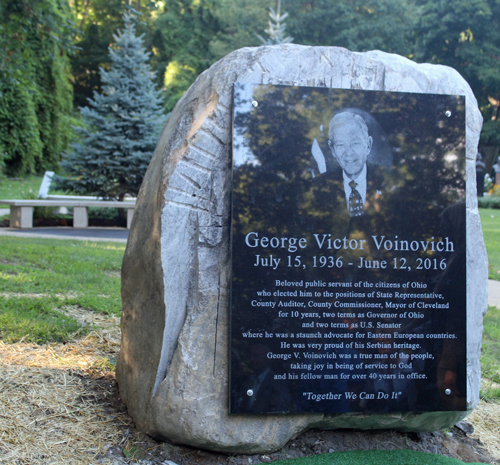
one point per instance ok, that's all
(449, 434)
(266, 459)
(465, 426)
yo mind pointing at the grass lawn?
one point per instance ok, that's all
(39, 278)
(19, 188)
(35, 320)
(490, 222)
(490, 356)
(375, 457)
(490, 352)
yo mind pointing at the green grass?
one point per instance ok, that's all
(490, 355)
(490, 351)
(375, 457)
(86, 274)
(35, 320)
(19, 188)
(490, 222)
(90, 270)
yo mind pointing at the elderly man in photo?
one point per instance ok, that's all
(350, 144)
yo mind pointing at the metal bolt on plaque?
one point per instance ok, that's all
(255, 103)
(448, 113)
(447, 392)
(249, 393)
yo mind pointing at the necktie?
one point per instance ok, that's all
(355, 201)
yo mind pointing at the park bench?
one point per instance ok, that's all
(21, 211)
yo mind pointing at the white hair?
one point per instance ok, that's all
(340, 119)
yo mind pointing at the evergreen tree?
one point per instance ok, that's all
(122, 124)
(277, 26)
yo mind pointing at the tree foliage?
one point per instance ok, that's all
(96, 20)
(189, 36)
(121, 124)
(240, 22)
(185, 37)
(359, 26)
(466, 36)
(182, 37)
(35, 88)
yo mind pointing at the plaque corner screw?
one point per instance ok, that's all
(255, 103)
(249, 393)
(448, 113)
(447, 392)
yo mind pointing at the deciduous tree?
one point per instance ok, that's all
(466, 36)
(35, 87)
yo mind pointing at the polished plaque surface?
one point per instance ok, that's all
(348, 251)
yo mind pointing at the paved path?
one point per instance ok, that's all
(83, 234)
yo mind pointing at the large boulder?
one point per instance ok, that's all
(173, 366)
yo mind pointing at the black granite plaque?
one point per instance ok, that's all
(347, 296)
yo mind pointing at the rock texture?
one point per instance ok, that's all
(173, 366)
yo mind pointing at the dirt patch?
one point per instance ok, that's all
(59, 404)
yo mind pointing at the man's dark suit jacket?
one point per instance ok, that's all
(326, 205)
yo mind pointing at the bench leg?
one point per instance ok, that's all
(21, 217)
(130, 215)
(80, 217)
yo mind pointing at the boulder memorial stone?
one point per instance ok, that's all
(381, 263)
